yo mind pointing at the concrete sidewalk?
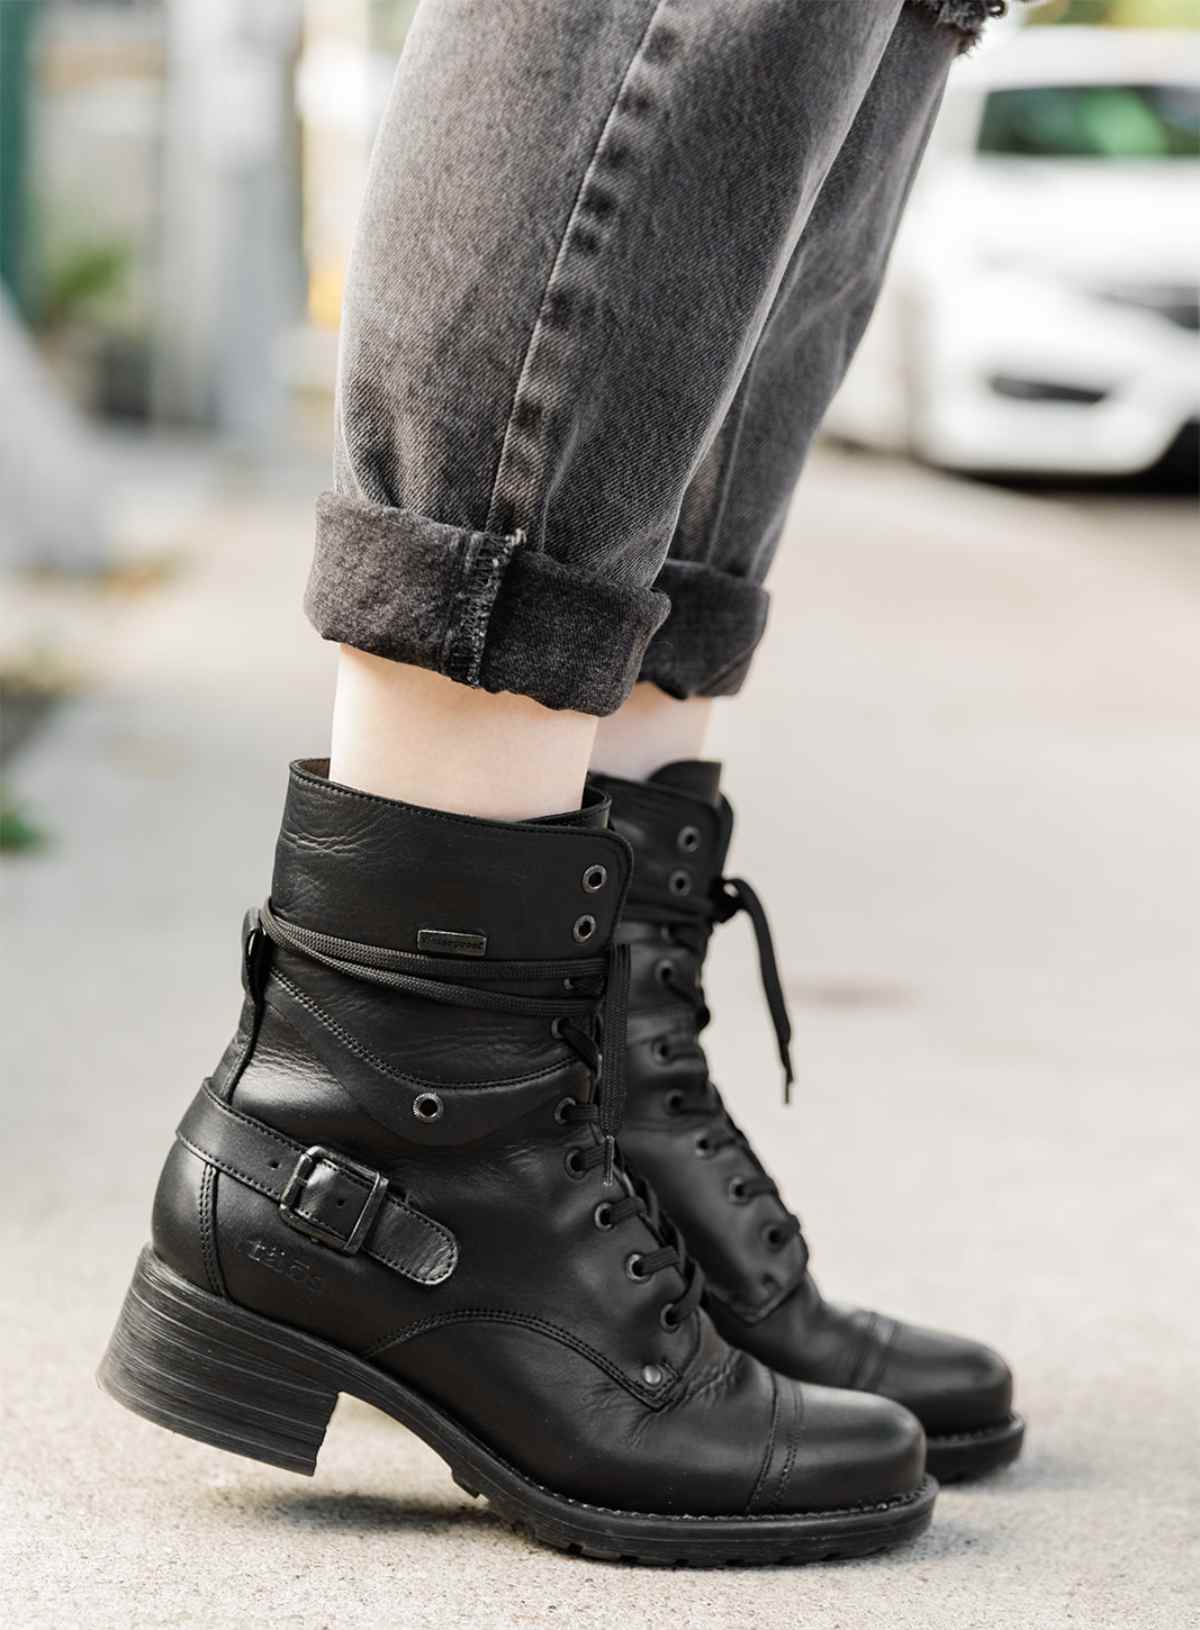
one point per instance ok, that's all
(969, 793)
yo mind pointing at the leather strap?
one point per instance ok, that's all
(328, 1197)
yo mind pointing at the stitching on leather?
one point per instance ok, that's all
(525, 1321)
(469, 823)
(327, 1351)
(380, 1064)
(408, 1270)
(793, 1441)
(207, 1230)
(290, 1146)
(391, 1202)
(762, 1471)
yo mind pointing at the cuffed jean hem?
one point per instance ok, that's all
(706, 645)
(480, 608)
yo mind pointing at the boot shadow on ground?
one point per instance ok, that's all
(364, 1513)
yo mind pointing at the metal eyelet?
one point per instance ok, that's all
(703, 1147)
(664, 970)
(560, 1109)
(736, 1190)
(674, 1102)
(602, 1216)
(680, 882)
(653, 1375)
(633, 1268)
(595, 878)
(427, 1106)
(688, 840)
(773, 1237)
(660, 1051)
(583, 928)
(573, 1164)
(669, 1317)
(556, 1028)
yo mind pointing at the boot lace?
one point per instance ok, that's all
(686, 924)
(589, 1017)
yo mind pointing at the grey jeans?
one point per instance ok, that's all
(613, 260)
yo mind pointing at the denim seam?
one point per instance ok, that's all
(553, 279)
(483, 560)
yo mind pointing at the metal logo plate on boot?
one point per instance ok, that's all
(450, 944)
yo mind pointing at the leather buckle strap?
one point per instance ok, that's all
(334, 1200)
(313, 1165)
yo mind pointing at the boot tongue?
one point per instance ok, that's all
(699, 778)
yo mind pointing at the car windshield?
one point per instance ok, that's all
(1093, 121)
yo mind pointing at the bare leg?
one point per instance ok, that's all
(651, 729)
(403, 732)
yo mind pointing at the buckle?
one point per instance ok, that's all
(323, 1233)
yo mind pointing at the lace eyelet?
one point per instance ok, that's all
(669, 1317)
(560, 1110)
(736, 1190)
(573, 1164)
(583, 928)
(773, 1237)
(688, 840)
(653, 1375)
(602, 1216)
(664, 971)
(674, 1102)
(427, 1106)
(634, 1269)
(660, 1052)
(703, 1148)
(594, 879)
(556, 1028)
(680, 882)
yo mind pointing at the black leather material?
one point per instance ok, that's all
(339, 1203)
(546, 1338)
(761, 1294)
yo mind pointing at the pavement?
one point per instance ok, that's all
(969, 792)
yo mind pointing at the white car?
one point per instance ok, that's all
(1042, 313)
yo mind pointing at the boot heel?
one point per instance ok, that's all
(211, 1370)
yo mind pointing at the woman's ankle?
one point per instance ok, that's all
(406, 733)
(650, 730)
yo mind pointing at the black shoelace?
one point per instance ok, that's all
(687, 924)
(587, 1017)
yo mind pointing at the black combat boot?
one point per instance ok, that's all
(401, 1183)
(678, 1135)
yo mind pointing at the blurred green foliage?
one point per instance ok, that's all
(85, 276)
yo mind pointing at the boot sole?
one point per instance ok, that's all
(200, 1365)
(957, 1456)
